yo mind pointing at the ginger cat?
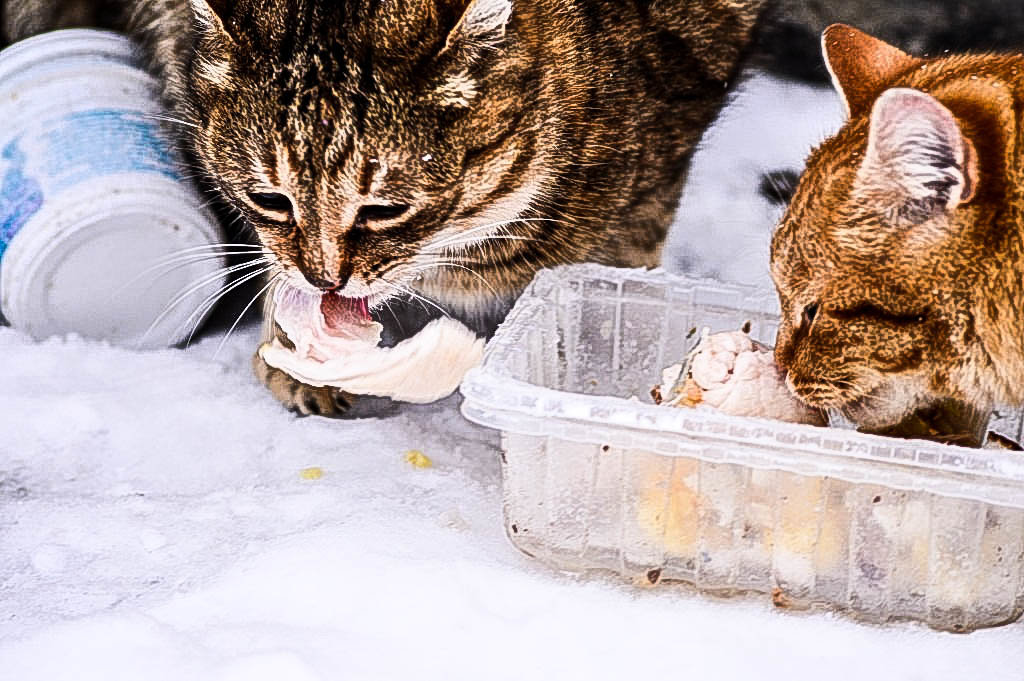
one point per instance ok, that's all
(899, 263)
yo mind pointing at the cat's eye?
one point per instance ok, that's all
(368, 215)
(272, 202)
(810, 314)
(871, 311)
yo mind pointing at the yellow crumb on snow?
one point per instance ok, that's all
(418, 459)
(311, 473)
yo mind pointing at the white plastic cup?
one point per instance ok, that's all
(92, 197)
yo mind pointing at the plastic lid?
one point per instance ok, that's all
(94, 269)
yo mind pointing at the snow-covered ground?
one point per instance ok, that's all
(154, 522)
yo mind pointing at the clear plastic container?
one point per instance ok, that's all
(599, 478)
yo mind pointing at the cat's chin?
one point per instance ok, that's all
(882, 407)
(873, 414)
(871, 405)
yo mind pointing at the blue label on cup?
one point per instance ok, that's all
(82, 146)
(21, 197)
(88, 144)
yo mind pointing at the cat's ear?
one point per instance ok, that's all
(213, 53)
(482, 23)
(862, 67)
(917, 156)
(211, 15)
(478, 32)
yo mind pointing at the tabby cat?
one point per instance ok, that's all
(450, 146)
(900, 262)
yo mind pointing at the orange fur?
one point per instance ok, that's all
(899, 262)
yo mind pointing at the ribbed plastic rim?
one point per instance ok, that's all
(45, 49)
(495, 397)
(34, 244)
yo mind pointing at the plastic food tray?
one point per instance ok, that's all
(596, 477)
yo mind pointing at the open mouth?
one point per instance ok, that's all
(335, 341)
(340, 313)
(324, 325)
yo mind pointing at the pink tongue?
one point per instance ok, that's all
(340, 312)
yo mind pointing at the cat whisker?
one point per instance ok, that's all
(187, 255)
(405, 290)
(215, 247)
(401, 328)
(171, 119)
(209, 251)
(210, 278)
(169, 266)
(205, 281)
(401, 291)
(431, 265)
(479, 242)
(493, 225)
(209, 255)
(208, 304)
(224, 340)
(209, 203)
(463, 236)
(424, 258)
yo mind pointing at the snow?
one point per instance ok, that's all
(154, 522)
(723, 224)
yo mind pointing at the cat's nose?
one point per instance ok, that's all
(785, 349)
(323, 283)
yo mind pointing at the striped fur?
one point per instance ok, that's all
(519, 133)
(571, 121)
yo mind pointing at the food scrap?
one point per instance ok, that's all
(418, 459)
(311, 473)
(736, 375)
(335, 342)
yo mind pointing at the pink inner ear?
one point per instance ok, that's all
(902, 114)
(917, 144)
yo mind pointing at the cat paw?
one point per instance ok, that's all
(305, 400)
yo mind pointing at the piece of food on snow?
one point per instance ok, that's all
(311, 473)
(418, 459)
(738, 376)
(336, 344)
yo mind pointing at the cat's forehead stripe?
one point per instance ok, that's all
(367, 89)
(366, 174)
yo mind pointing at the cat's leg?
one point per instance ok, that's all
(299, 397)
(295, 395)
